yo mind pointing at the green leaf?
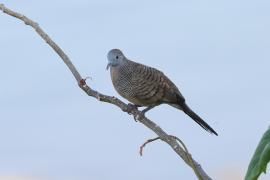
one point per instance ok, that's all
(261, 157)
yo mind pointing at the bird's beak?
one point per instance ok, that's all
(108, 65)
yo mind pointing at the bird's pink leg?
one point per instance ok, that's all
(147, 109)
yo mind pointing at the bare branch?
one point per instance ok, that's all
(170, 140)
(185, 149)
(147, 142)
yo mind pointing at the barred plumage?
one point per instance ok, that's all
(146, 86)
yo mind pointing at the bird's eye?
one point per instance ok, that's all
(116, 57)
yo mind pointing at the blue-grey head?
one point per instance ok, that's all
(115, 58)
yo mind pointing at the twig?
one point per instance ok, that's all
(184, 146)
(146, 142)
(188, 156)
(109, 99)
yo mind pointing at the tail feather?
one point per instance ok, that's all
(197, 118)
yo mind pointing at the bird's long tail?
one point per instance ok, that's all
(197, 118)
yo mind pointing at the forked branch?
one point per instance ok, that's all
(172, 141)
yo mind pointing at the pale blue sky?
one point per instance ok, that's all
(216, 52)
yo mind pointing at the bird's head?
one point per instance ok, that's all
(115, 58)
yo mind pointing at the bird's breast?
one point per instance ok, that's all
(122, 83)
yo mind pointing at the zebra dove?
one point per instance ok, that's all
(146, 86)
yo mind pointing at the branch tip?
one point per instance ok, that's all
(145, 143)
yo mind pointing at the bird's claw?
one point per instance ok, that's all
(130, 108)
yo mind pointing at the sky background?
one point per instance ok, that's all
(216, 52)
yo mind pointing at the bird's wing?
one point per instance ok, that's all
(151, 86)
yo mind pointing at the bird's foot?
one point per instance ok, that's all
(131, 107)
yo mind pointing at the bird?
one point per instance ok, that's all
(145, 86)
